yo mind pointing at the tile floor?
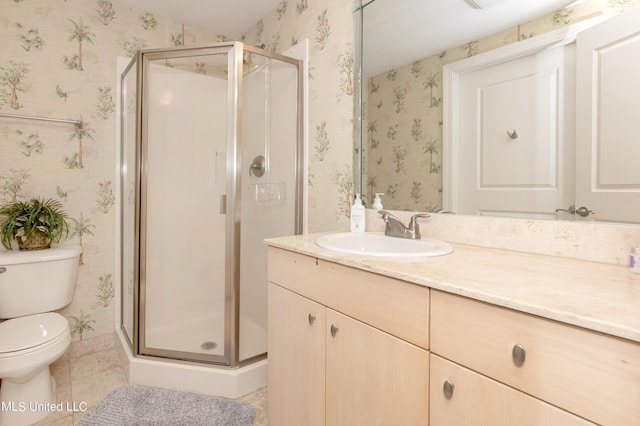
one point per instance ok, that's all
(91, 369)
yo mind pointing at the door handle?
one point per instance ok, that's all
(582, 211)
(223, 203)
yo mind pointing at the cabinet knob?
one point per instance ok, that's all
(334, 330)
(519, 354)
(312, 318)
(447, 388)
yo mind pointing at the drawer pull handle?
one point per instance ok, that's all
(3, 269)
(448, 388)
(519, 354)
(334, 330)
(312, 318)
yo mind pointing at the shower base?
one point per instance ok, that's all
(190, 376)
(189, 335)
(199, 335)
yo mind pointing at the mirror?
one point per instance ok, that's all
(404, 50)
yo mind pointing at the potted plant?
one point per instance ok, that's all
(34, 224)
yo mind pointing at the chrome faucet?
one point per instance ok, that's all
(395, 227)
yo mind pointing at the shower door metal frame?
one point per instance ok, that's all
(131, 340)
(235, 52)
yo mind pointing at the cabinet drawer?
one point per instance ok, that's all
(478, 400)
(397, 307)
(587, 373)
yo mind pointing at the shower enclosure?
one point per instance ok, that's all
(211, 164)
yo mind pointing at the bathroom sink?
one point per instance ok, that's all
(378, 244)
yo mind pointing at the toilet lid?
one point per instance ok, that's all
(22, 333)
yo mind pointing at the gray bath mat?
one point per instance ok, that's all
(142, 405)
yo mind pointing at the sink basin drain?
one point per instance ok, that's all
(207, 346)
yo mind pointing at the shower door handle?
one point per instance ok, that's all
(223, 203)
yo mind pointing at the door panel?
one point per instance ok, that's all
(608, 107)
(516, 134)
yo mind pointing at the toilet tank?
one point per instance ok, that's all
(37, 281)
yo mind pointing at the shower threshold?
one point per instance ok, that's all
(191, 376)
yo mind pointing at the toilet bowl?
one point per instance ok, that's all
(32, 337)
(28, 345)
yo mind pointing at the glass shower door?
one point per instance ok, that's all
(183, 260)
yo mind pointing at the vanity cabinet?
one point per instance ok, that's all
(352, 347)
(589, 374)
(346, 347)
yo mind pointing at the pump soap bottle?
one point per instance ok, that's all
(377, 202)
(357, 215)
(634, 260)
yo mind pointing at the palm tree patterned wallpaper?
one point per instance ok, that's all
(59, 60)
(328, 26)
(402, 144)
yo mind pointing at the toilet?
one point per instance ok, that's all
(33, 284)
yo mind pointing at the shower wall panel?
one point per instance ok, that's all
(269, 107)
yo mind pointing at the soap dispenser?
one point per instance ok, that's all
(634, 260)
(357, 215)
(377, 201)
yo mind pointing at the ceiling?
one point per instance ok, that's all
(405, 30)
(230, 18)
(399, 32)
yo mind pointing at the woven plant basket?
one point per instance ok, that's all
(36, 241)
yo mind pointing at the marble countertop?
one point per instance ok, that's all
(597, 296)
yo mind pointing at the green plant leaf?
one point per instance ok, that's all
(22, 219)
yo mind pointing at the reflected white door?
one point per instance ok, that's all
(608, 119)
(515, 136)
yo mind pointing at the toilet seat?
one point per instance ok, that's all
(26, 334)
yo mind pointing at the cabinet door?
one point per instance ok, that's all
(469, 398)
(296, 368)
(373, 378)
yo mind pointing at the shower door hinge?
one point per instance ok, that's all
(223, 204)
